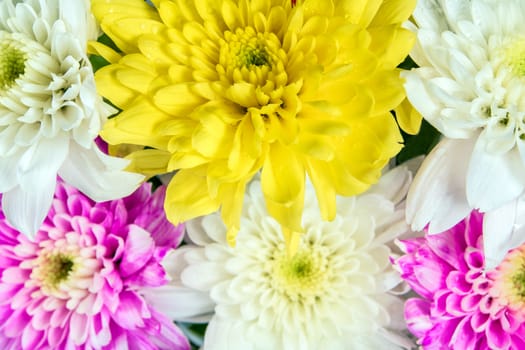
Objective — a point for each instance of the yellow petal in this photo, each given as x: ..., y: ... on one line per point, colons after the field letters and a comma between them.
x: 408, y: 118
x: 231, y: 208
x: 96, y: 48
x: 318, y: 147
x: 137, y: 125
x: 322, y: 179
x: 318, y: 8
x: 358, y: 11
x: 149, y: 162
x: 135, y: 79
x: 182, y: 160
x: 282, y: 181
x: 324, y: 127
x: 393, y: 11
x: 187, y: 197
x: 110, y: 87
x: 212, y: 138
x: 155, y: 51
x: 177, y: 100
x: 124, y: 8
x: 387, y: 91
x: 391, y: 44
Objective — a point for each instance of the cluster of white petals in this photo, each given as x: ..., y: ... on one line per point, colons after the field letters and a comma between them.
x: 470, y: 85
x: 336, y: 292
x: 50, y: 113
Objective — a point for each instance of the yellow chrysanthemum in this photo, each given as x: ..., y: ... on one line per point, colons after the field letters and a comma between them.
x: 219, y: 90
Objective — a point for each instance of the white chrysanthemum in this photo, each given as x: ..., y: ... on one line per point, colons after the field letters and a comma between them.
x: 50, y: 113
x: 470, y: 86
x: 335, y: 293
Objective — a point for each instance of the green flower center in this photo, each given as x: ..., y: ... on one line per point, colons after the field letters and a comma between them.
x: 58, y: 268
x: 301, y: 277
x: 255, y: 58
x: 12, y: 63
x: 515, y: 56
x: 518, y: 282
x: 509, y: 280
x: 246, y: 48
x: 253, y: 54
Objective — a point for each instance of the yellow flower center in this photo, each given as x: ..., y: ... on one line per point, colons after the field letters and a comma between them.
x: 12, y: 62
x: 301, y: 277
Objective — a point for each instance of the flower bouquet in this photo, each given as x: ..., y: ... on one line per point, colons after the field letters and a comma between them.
x: 262, y: 174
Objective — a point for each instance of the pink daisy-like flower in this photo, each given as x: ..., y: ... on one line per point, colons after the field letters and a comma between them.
x: 462, y: 307
x: 78, y: 285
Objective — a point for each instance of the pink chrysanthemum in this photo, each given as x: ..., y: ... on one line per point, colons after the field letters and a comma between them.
x: 462, y: 306
x: 78, y: 285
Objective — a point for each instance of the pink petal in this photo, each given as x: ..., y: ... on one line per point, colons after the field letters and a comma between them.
x: 456, y: 283
x: 15, y: 323
x: 479, y: 321
x: 31, y: 338
x: 464, y: 337
x: 152, y: 275
x: 497, y: 338
x: 78, y: 205
x: 470, y: 302
x: 78, y: 328
x: 15, y: 275
x: 138, y: 250
x: 130, y: 311
x: 417, y: 315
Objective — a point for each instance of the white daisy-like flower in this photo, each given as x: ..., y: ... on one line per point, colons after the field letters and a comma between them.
x: 336, y: 292
x: 50, y: 113
x: 470, y: 86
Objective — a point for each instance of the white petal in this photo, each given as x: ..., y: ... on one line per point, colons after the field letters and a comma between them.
x: 40, y: 163
x: 393, y: 185
x: 98, y: 175
x: 206, y: 230
x: 26, y: 210
x: 223, y: 335
x: 437, y: 195
x: 26, y: 205
x: 493, y: 180
x: 180, y: 303
x: 419, y: 95
x: 500, y: 233
x: 8, y: 178
x: 429, y: 14
x: 203, y: 276
x: 75, y: 14
x: 483, y: 16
